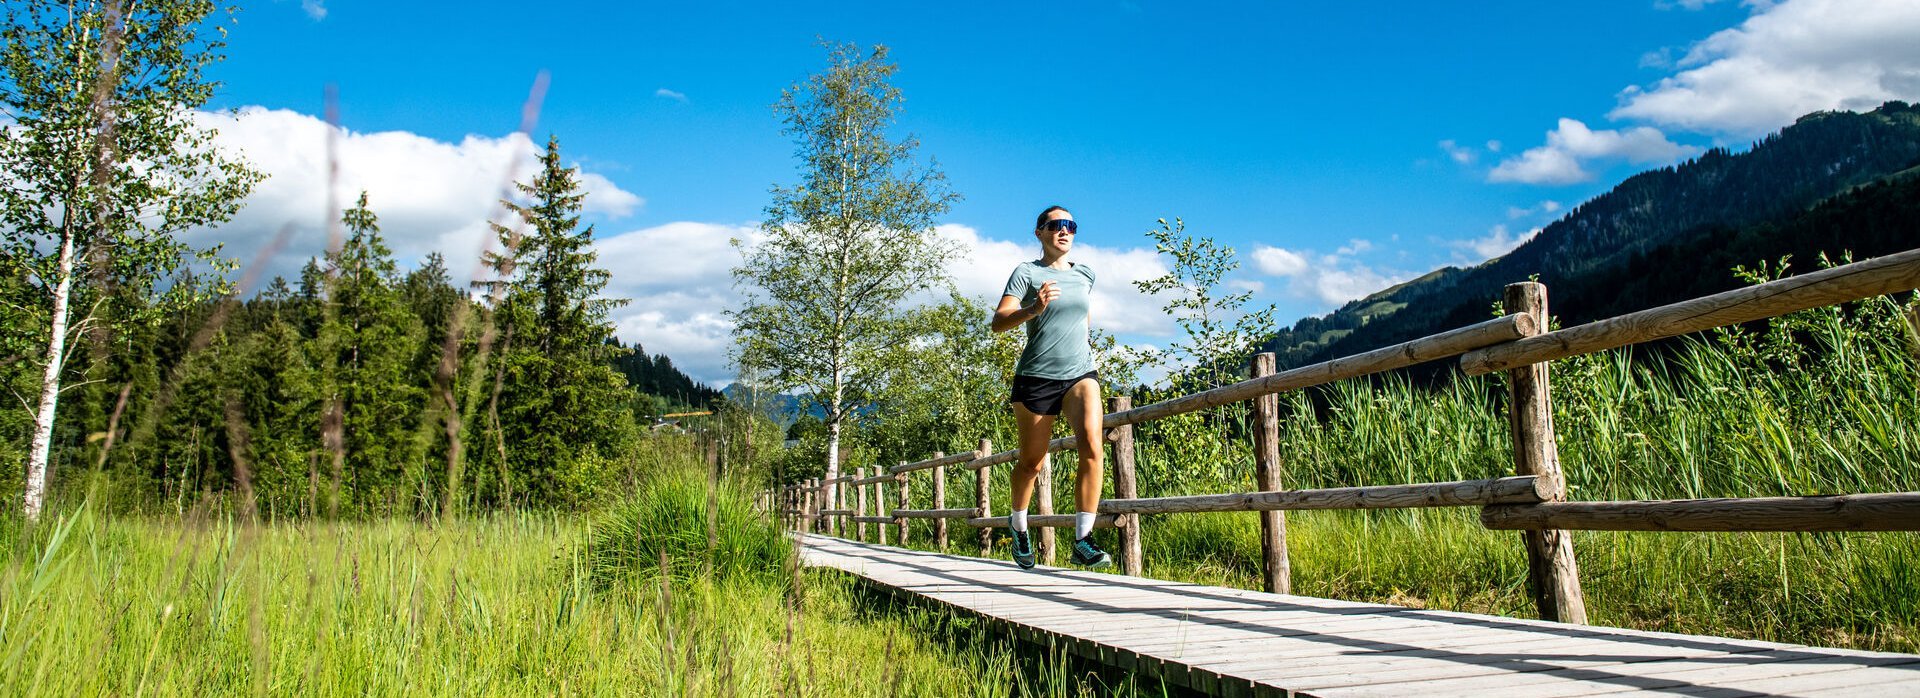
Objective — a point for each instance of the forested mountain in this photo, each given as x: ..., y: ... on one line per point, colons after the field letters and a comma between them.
x: 1833, y: 182
x: 659, y: 383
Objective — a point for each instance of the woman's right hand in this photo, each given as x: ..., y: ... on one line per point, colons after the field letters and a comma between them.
x: 1048, y: 291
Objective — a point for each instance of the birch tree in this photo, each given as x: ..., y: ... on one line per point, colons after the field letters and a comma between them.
x: 101, y: 167
x: 842, y: 249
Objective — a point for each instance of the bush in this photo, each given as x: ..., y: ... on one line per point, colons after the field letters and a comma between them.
x: 668, y: 512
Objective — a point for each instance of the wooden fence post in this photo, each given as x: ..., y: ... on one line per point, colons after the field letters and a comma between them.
x: 860, y: 505
x: 983, y: 496
x: 809, y: 514
x: 1266, y: 473
x: 940, y: 502
x: 900, y: 483
x: 1043, y: 505
x: 1553, y: 575
x: 879, y: 505
x: 1126, y: 485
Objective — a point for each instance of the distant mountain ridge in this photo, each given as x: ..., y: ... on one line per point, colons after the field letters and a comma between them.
x: 1832, y: 181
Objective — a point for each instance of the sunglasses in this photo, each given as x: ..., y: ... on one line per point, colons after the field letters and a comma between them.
x: 1059, y: 224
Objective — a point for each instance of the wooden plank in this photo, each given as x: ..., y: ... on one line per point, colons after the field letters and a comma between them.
x: 1895, y: 511
x: 1432, y: 494
x: 1224, y: 640
x: 1864, y: 279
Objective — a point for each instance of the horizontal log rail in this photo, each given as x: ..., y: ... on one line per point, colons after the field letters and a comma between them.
x: 871, y: 480
x: 836, y: 512
x: 871, y: 519
x: 1897, y: 511
x: 931, y: 463
x: 1848, y: 282
x: 1101, y: 520
x: 932, y: 513
x: 1517, y: 489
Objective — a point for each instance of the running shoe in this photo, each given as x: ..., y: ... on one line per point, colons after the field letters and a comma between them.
x: 1086, y: 554
x: 1022, y: 550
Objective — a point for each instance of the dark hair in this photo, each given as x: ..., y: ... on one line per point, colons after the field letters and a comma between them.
x: 1041, y: 222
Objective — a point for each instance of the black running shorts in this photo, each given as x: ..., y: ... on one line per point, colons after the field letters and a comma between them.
x: 1044, y: 395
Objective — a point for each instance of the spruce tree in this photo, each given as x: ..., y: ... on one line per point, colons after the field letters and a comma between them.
x: 562, y: 406
x: 369, y: 344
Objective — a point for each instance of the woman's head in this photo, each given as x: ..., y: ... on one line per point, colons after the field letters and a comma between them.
x: 1055, y: 229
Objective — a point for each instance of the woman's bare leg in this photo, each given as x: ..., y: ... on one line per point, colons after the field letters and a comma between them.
x: 1035, y: 431
x: 1084, y: 412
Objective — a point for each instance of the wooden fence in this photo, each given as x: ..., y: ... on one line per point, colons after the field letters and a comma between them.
x: 1532, y: 501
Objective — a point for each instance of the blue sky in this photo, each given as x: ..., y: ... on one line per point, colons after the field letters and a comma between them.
x: 1339, y: 147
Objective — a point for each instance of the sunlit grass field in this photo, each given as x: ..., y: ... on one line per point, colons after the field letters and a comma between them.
x: 514, y: 605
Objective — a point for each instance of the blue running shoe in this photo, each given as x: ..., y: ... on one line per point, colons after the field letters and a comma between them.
x: 1022, y: 550
x: 1088, y: 555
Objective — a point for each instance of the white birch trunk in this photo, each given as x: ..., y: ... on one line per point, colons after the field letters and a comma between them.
x: 42, y: 449
x: 833, y: 442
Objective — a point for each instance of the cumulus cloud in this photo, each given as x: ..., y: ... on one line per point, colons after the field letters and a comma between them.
x: 1786, y: 60
x: 1116, y: 306
x: 1330, y: 279
x: 679, y: 277
x: 670, y: 94
x: 1498, y: 241
x: 1275, y: 261
x: 1570, y: 146
x: 430, y: 195
x: 315, y: 9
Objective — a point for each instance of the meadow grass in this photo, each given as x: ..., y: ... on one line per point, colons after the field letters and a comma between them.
x: 508, y: 605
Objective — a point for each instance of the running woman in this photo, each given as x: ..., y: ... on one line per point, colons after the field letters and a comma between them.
x: 1055, y: 374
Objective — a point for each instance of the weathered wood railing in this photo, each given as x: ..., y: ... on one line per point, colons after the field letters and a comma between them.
x: 1532, y: 501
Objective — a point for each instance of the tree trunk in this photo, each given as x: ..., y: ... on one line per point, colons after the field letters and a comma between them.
x: 42, y: 449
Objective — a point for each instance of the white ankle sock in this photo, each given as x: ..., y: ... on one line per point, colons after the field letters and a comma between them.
x: 1082, y: 524
x: 1019, y: 520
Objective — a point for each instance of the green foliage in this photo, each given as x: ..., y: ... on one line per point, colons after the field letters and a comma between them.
x: 1220, y: 334
x: 669, y: 514
x: 843, y: 248
x: 560, y: 406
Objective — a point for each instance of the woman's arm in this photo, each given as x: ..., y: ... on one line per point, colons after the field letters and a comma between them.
x: 1010, y: 315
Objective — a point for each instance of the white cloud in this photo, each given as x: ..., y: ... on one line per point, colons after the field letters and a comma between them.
x: 316, y: 9
x: 1117, y: 305
x: 679, y: 279
x: 1498, y: 241
x: 430, y: 195
x: 1330, y: 279
x: 1459, y: 153
x: 1493, y: 146
x: 1561, y: 160
x: 1275, y: 261
x: 1786, y: 60
x: 680, y: 97
x: 1548, y: 206
x: 1684, y: 4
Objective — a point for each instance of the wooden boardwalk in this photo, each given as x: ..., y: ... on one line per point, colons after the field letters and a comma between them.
x: 1236, y: 642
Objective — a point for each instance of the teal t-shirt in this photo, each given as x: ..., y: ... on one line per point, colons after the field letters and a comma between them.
x: 1057, y: 343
